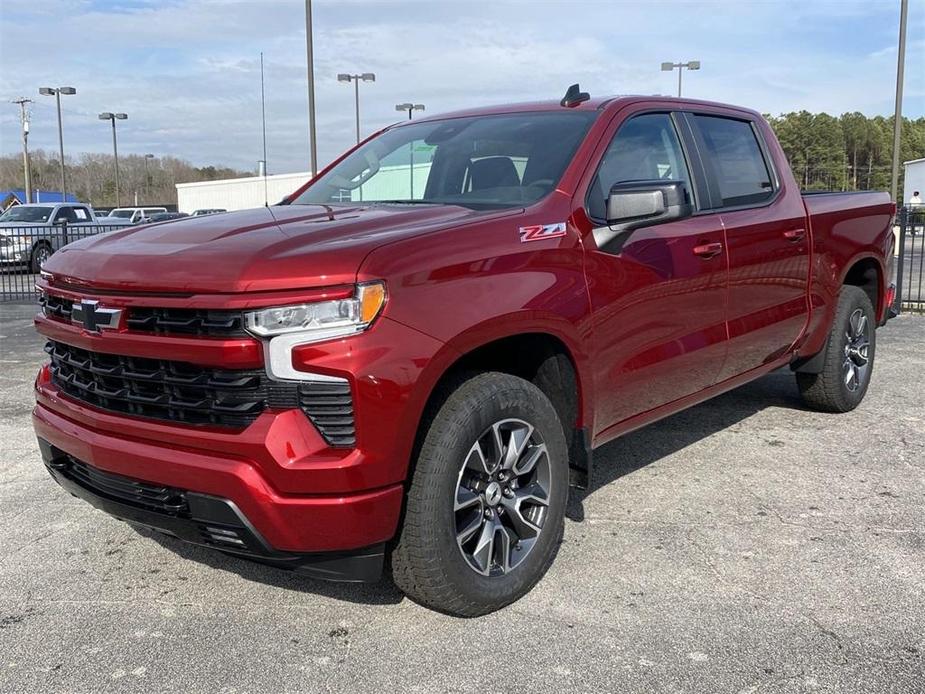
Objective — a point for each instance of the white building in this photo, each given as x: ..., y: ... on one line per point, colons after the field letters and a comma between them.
x: 914, y: 179
x: 392, y: 182
x: 238, y: 193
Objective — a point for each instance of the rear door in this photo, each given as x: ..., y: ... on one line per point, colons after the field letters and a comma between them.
x: 767, y: 242
x: 658, y: 300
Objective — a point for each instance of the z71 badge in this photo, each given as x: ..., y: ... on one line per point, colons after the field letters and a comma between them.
x: 541, y: 232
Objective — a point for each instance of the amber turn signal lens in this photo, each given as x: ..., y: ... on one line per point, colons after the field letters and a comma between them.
x: 372, y: 299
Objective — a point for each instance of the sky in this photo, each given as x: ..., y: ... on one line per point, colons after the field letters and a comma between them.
x: 187, y: 72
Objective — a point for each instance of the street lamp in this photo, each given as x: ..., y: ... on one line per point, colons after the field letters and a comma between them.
x: 147, y: 180
x: 690, y: 65
x: 113, y: 117
x: 365, y: 77
x: 57, y: 92
x: 409, y: 108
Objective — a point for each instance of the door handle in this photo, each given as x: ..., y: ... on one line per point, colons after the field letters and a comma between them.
x: 795, y: 235
x: 708, y: 250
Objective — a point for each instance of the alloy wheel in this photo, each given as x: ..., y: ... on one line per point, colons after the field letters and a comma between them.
x: 856, y: 365
x: 502, y: 497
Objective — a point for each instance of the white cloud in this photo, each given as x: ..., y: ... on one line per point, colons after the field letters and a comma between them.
x: 187, y: 72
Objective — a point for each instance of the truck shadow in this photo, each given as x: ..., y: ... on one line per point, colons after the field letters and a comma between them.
x: 383, y: 592
x: 655, y: 441
x: 611, y: 462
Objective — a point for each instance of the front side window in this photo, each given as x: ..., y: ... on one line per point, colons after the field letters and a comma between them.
x: 645, y: 148
x: 65, y: 214
x: 739, y: 165
x: 480, y: 162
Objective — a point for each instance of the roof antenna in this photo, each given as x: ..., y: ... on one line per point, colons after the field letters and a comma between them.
x: 574, y: 96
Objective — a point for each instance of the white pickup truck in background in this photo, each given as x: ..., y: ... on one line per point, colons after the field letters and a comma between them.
x: 30, y: 233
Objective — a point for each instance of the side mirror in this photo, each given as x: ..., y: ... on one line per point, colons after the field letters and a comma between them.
x: 636, y: 204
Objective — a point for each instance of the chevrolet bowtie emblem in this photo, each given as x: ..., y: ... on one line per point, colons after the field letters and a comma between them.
x: 88, y: 314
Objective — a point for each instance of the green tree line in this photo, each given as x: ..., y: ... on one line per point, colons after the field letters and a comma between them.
x: 91, y: 177
x: 848, y: 152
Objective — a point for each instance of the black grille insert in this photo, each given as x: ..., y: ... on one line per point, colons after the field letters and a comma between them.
x: 56, y: 306
x: 151, y: 497
x: 167, y: 390
x: 161, y: 321
x: 187, y: 321
x: 330, y: 407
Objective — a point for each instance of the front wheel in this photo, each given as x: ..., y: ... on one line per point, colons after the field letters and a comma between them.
x: 849, y: 356
x: 485, y: 507
x: 40, y: 254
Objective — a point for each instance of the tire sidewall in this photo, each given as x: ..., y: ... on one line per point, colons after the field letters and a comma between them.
x: 516, y: 399
x: 853, y: 299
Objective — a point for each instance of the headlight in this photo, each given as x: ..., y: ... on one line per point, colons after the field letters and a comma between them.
x: 321, y: 320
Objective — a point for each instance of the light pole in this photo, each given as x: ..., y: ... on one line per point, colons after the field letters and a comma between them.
x: 147, y: 180
x: 27, y: 169
x: 898, y: 110
x: 113, y: 117
x: 690, y: 65
x: 409, y: 107
x: 57, y: 92
x: 365, y: 77
x: 313, y: 146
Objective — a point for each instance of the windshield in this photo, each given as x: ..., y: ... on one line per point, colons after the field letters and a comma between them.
x: 479, y: 162
x: 26, y: 214
x: 122, y: 214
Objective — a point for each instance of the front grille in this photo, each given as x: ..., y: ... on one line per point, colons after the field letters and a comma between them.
x: 167, y: 390
x: 56, y: 306
x: 330, y: 407
x: 162, y: 321
x: 151, y: 497
x: 187, y: 321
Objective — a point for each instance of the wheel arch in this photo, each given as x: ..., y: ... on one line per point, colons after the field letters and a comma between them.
x: 545, y: 352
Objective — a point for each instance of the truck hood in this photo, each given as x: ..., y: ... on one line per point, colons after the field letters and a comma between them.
x: 285, y: 247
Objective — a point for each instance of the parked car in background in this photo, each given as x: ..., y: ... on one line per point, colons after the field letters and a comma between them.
x: 421, y: 372
x: 208, y: 210
x: 133, y: 215
x: 30, y: 233
x: 163, y: 217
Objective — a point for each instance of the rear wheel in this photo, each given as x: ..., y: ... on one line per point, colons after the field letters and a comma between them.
x: 849, y: 356
x: 486, y: 503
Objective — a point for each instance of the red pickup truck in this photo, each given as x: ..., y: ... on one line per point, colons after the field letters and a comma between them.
x: 415, y: 355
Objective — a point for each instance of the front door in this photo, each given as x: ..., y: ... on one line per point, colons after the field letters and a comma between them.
x: 658, y: 301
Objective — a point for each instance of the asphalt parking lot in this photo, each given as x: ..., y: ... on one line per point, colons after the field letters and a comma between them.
x: 746, y: 545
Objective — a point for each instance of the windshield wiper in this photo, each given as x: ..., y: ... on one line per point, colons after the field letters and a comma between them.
x: 405, y: 202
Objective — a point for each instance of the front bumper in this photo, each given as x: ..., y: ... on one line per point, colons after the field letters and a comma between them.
x: 200, y: 519
x: 288, y: 522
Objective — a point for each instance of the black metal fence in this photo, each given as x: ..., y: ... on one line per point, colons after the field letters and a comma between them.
x: 23, y: 249
x: 910, y: 261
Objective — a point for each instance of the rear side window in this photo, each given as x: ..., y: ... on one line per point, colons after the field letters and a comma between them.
x: 741, y: 171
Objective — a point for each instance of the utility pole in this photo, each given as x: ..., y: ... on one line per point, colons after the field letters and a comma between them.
x: 27, y: 169
x: 898, y: 110
x: 313, y: 145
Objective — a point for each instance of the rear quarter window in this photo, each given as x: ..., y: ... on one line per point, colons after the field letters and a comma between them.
x: 738, y: 163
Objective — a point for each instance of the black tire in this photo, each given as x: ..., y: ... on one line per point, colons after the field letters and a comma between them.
x: 831, y: 390
x: 40, y: 254
x: 427, y: 563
